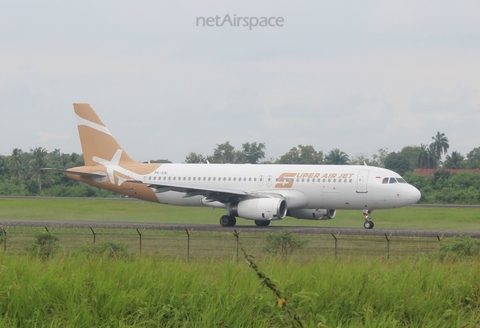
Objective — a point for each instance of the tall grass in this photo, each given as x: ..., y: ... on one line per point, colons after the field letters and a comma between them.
x: 79, y: 290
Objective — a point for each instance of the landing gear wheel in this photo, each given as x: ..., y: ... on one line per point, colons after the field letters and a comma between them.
x: 261, y: 223
x: 228, y: 221
x: 368, y: 224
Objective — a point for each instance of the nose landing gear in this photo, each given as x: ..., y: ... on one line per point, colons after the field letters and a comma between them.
x: 368, y: 224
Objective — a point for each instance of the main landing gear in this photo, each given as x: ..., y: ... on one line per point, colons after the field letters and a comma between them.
x: 228, y: 221
x: 368, y: 224
x: 262, y: 223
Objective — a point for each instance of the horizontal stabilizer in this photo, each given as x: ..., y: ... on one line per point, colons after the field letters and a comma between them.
x: 82, y: 174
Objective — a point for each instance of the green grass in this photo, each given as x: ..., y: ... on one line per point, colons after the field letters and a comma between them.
x: 160, y: 288
x: 132, y: 211
x: 80, y: 290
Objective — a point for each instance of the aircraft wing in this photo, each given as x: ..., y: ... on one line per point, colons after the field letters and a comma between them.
x: 222, y: 195
x: 82, y: 174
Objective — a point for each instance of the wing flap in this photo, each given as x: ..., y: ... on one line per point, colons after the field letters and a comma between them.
x: 211, y: 194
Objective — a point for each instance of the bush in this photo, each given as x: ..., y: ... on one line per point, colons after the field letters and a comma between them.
x: 110, y: 249
x: 460, y: 247
x: 284, y: 243
x: 45, y: 245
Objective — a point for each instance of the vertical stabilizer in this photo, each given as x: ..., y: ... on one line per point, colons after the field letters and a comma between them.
x: 98, y: 144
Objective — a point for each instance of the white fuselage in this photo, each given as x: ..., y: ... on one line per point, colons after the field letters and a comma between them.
x: 303, y: 186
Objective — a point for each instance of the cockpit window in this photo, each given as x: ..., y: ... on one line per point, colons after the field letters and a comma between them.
x: 401, y: 180
x: 393, y: 180
x: 385, y: 180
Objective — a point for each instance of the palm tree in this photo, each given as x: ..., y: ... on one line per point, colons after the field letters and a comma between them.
x: 37, y: 163
x: 440, y: 144
x: 455, y: 161
x: 15, y: 162
x: 336, y: 156
x: 426, y: 158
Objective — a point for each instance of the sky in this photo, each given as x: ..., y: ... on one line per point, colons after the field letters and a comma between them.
x: 354, y: 75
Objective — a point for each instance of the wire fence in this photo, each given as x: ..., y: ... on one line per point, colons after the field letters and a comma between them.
x: 190, y: 244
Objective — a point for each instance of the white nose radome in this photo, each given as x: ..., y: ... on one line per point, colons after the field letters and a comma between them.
x: 414, y: 195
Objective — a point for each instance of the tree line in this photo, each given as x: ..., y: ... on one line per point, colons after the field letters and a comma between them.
x: 21, y: 174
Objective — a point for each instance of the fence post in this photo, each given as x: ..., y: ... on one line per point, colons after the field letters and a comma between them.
x: 94, y: 235
x: 237, y: 241
x: 388, y: 246
x: 188, y: 244
x: 336, y: 243
x: 4, y: 233
x: 140, y: 237
x: 440, y: 238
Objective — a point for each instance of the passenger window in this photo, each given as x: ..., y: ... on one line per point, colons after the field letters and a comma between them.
x: 393, y: 180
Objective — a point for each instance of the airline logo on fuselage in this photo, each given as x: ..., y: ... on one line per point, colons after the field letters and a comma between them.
x: 285, y: 180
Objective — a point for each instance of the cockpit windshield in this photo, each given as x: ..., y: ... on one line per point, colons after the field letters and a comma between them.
x: 393, y: 180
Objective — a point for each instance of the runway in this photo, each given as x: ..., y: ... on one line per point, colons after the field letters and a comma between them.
x: 241, y: 228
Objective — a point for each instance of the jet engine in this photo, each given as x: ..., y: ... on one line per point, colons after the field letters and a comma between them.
x: 313, y: 214
x: 260, y: 209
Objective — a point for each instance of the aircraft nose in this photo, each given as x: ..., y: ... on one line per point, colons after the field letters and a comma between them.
x: 414, y: 195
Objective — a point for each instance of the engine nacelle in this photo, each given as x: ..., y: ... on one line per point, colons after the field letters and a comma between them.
x: 260, y: 209
x: 313, y: 214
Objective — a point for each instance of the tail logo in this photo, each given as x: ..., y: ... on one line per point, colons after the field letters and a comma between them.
x: 111, y: 166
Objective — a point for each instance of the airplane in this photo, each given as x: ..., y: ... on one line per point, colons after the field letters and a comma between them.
x: 258, y: 192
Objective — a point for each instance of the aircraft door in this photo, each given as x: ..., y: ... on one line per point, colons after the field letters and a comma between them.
x: 269, y: 181
x: 362, y: 181
x: 260, y: 180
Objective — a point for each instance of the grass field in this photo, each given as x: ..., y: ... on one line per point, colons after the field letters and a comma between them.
x: 81, y: 290
x: 432, y: 218
x: 162, y: 286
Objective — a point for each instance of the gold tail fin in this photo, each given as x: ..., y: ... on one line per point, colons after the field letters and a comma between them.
x: 98, y: 144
